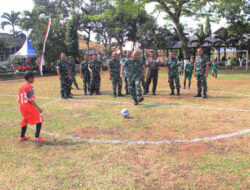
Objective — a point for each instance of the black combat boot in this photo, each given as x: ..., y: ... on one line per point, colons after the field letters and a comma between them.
x: 198, y: 95
x: 63, y: 96
x: 154, y: 94
x: 127, y: 92
x: 140, y: 99
x: 98, y: 92
x: 115, y: 95
x: 204, y: 94
x: 136, y: 102
x: 172, y: 92
x: 120, y: 94
x: 90, y: 92
x: 178, y: 92
x: 85, y: 93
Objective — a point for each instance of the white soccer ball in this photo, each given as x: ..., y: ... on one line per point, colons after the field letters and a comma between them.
x: 125, y: 112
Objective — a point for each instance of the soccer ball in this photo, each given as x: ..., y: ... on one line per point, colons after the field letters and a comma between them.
x: 125, y: 112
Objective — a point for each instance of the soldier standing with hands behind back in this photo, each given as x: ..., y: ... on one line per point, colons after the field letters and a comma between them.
x: 95, y: 67
x: 173, y: 73
x: 85, y: 74
x: 64, y: 74
x: 114, y: 74
x: 201, y: 68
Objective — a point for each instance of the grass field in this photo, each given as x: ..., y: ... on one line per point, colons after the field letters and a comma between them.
x: 67, y: 164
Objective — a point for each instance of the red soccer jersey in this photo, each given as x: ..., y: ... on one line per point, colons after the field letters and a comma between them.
x: 25, y: 95
x: 24, y: 68
x: 19, y: 68
x: 28, y: 110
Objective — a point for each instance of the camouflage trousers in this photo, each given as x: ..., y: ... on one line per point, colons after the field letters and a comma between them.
x: 172, y: 79
x: 126, y: 83
x: 117, y: 83
x: 65, y: 86
x: 73, y: 81
x: 95, y: 82
x: 134, y: 86
x: 86, y: 81
x: 189, y: 77
x: 214, y: 72
x: 201, y: 83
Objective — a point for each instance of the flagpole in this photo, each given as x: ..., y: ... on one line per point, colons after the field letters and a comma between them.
x: 42, y: 62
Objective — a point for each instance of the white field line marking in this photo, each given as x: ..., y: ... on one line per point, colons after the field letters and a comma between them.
x: 7, y: 81
x: 146, y: 104
x: 52, y: 102
x: 141, y: 142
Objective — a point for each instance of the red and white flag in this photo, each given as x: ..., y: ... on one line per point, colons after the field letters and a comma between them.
x: 42, y: 62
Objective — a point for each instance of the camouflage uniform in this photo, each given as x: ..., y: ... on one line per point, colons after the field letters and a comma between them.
x: 85, y: 75
x: 215, y: 69
x: 95, y: 78
x: 125, y: 75
x: 181, y: 68
x: 188, y: 74
x: 63, y: 67
x: 201, y: 63
x: 114, y: 67
x: 133, y: 74
x: 173, y: 73
x: 73, y: 69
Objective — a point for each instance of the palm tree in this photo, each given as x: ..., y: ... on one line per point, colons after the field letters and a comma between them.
x: 224, y: 39
x: 31, y: 19
x: 12, y: 20
x: 201, y: 37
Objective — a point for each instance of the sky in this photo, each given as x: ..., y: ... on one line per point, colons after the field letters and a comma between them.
x: 21, y: 5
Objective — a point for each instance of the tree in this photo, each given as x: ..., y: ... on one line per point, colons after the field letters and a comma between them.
x: 175, y: 10
x: 208, y: 31
x: 72, y: 37
x: 30, y: 19
x: 12, y: 20
x: 4, y: 43
x: 224, y: 39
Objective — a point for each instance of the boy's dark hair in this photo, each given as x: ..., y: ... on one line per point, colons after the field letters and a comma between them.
x: 28, y: 74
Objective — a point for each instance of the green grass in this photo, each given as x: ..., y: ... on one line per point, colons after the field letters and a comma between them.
x: 65, y: 164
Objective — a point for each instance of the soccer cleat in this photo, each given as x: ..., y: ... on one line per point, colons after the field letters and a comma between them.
x: 23, y: 138
x: 39, y: 139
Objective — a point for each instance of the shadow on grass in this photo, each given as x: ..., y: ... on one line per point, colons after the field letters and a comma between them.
x: 58, y: 143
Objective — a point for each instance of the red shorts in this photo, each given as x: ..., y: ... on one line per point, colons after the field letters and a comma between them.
x: 30, y: 116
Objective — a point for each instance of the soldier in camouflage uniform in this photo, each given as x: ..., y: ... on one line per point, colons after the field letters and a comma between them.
x: 215, y: 68
x: 95, y: 68
x: 85, y: 74
x: 188, y: 72
x: 72, y: 64
x: 64, y: 74
x: 201, y: 68
x: 114, y: 74
x: 173, y: 73
x: 133, y: 73
x: 128, y: 56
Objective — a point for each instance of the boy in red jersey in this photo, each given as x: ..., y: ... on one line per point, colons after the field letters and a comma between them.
x: 31, y: 112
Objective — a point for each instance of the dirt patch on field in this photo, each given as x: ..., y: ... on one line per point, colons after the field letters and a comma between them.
x: 87, y: 132
x: 194, y: 149
x: 167, y: 133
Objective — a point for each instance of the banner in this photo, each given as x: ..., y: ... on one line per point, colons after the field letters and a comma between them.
x: 42, y: 62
